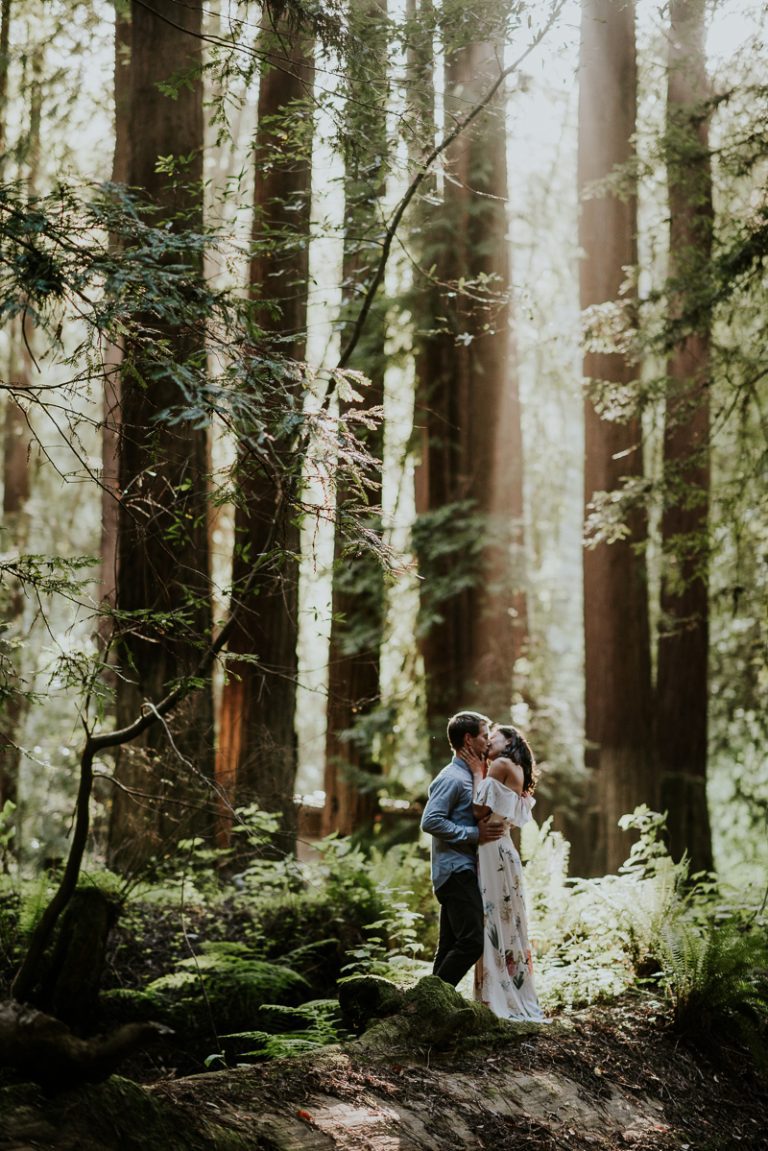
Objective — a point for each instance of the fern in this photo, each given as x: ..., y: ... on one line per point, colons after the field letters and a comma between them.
x: 716, y: 978
x: 297, y: 1030
x: 222, y: 986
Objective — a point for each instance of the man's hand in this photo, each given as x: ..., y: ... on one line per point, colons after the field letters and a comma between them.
x: 489, y: 831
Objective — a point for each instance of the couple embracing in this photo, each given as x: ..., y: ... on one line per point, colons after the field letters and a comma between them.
x: 477, y: 875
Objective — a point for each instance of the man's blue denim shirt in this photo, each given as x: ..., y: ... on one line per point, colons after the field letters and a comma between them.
x: 449, y: 820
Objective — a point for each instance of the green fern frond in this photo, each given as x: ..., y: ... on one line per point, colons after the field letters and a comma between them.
x: 715, y: 977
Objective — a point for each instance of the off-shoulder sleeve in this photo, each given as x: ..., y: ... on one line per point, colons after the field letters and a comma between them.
x: 505, y: 802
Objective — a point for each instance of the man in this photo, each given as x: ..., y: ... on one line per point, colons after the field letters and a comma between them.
x: 455, y: 835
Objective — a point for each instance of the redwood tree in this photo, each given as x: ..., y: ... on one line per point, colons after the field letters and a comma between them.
x: 469, y: 532
x: 16, y: 431
x: 682, y: 683
x: 163, y: 584
x: 111, y: 422
x: 358, y: 584
x: 257, y: 750
x: 616, y: 629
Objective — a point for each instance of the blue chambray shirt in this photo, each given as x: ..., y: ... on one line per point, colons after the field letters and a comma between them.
x: 449, y: 820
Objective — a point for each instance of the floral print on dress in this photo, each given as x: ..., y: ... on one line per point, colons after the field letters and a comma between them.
x: 504, y: 975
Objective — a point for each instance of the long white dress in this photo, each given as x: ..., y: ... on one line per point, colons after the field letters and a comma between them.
x: 504, y: 975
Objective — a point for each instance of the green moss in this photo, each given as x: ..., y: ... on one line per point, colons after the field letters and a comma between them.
x: 224, y: 990
x: 364, y: 998
x: 115, y: 1114
x: 433, y: 1016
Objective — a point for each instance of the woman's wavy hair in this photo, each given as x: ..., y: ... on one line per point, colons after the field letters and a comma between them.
x: 519, y: 752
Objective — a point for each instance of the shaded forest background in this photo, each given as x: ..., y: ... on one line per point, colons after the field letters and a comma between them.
x: 363, y: 362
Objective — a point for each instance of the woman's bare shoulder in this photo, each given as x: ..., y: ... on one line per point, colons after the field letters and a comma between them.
x: 507, y: 772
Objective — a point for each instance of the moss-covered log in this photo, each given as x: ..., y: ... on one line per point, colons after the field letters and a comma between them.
x: 43, y: 1050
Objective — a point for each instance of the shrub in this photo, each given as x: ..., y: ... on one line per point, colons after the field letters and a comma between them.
x: 716, y: 978
x: 319, y: 925
x: 594, y: 937
x: 221, y: 988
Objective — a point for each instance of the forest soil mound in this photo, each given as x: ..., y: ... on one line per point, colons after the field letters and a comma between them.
x: 609, y: 1077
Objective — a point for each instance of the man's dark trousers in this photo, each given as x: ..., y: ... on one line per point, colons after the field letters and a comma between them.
x: 461, y: 926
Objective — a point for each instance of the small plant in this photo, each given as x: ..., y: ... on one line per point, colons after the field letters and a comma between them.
x: 716, y: 978
x: 296, y: 1030
x: 221, y: 986
x: 593, y: 937
x: 7, y: 834
x: 392, y: 947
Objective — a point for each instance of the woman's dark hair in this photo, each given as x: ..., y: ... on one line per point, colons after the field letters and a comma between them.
x: 519, y: 752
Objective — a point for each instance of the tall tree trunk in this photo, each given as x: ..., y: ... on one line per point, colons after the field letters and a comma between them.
x: 470, y: 541
x: 681, y: 703
x: 163, y: 789
x: 257, y: 750
x: 16, y: 446
x: 110, y: 492
x: 17, y: 437
x: 358, y: 583
x: 616, y: 629
x: 5, y: 62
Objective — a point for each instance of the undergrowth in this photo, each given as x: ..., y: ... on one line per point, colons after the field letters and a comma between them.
x: 246, y: 965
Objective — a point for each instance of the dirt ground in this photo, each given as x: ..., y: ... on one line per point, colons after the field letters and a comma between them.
x: 607, y: 1078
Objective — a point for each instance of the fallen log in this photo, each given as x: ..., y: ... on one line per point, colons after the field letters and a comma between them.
x: 44, y: 1050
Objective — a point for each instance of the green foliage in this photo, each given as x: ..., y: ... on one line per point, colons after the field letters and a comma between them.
x: 716, y: 978
x: 594, y: 937
x: 392, y: 946
x: 328, y: 904
x: 648, y: 924
x: 220, y: 987
x: 7, y: 832
x: 293, y: 1031
x: 10, y: 901
x: 448, y: 541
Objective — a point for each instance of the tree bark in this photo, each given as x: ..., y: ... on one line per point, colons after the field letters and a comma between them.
x: 110, y: 466
x: 474, y: 617
x: 683, y: 642
x: 5, y: 61
x: 358, y: 582
x: 17, y: 439
x: 257, y: 752
x: 616, y: 629
x: 164, y: 782
x: 71, y: 980
x: 16, y: 489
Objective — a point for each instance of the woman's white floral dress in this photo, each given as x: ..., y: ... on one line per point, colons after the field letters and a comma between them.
x: 504, y: 975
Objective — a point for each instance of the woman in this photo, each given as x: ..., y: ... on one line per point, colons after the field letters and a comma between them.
x: 503, y: 793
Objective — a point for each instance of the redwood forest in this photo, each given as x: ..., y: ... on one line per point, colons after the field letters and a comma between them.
x: 363, y: 363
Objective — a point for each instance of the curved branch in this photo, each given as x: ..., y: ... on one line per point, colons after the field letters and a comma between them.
x: 24, y: 981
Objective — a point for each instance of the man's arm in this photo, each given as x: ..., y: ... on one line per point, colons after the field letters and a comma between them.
x: 437, y: 820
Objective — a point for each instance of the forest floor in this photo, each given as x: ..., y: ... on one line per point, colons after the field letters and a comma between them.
x: 608, y: 1077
